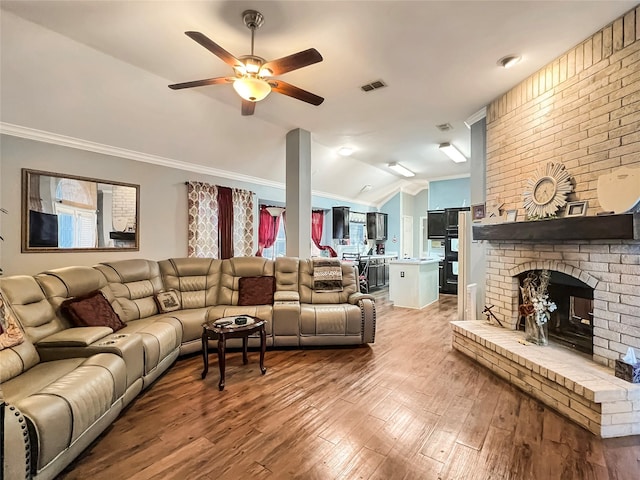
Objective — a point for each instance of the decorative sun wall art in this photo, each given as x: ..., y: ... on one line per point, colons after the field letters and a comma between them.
x: 546, y: 192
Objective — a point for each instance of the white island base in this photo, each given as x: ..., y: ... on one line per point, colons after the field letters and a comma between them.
x: 413, y: 283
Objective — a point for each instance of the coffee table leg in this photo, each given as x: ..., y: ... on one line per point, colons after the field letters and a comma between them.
x: 263, y: 348
x: 205, y: 354
x: 221, y: 354
x: 245, y: 340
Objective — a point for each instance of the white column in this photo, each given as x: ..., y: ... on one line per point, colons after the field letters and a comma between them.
x: 298, y: 194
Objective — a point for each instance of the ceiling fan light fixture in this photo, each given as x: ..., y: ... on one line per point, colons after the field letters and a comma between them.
x: 452, y: 152
x: 251, y: 88
x: 405, y: 172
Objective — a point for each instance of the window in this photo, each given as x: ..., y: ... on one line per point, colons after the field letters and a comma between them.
x: 279, y: 248
x: 76, y: 227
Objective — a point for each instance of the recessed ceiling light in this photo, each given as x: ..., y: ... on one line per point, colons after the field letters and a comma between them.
x: 509, y: 61
x: 345, y: 151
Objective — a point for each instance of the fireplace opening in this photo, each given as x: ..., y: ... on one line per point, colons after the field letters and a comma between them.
x: 572, y: 323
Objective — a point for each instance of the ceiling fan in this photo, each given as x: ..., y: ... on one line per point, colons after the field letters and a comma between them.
x: 252, y: 80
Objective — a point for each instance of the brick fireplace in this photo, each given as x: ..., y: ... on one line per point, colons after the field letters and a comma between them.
x: 611, y: 269
x: 581, y: 110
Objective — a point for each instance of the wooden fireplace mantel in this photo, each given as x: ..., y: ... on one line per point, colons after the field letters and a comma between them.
x: 624, y: 226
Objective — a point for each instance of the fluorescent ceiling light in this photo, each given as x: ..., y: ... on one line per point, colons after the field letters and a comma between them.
x: 452, y: 152
x: 345, y: 151
x: 396, y: 167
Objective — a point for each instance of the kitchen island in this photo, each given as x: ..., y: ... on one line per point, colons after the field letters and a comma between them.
x: 413, y: 282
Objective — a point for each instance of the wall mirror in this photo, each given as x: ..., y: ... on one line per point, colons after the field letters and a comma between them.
x: 63, y: 213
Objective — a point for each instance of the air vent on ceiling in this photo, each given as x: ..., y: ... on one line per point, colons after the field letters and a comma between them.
x: 373, y: 86
x: 444, y: 127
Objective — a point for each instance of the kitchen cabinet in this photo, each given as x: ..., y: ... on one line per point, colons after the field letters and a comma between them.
x: 436, y: 224
x: 378, y: 270
x: 376, y: 226
x: 340, y: 223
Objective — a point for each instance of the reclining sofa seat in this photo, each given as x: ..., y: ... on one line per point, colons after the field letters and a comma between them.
x: 55, y: 409
x: 65, y: 283
x: 38, y: 314
x: 233, y: 269
x: 345, y: 317
x: 196, y: 282
x: 134, y: 284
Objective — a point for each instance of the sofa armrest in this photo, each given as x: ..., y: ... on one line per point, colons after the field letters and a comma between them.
x: 286, y: 296
x: 15, y: 443
x: 75, y: 337
x: 354, y: 298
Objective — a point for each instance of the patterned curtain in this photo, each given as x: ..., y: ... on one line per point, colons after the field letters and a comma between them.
x: 203, y: 219
x: 242, y: 222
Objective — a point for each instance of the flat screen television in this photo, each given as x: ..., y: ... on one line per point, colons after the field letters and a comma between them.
x: 43, y: 229
x: 436, y: 225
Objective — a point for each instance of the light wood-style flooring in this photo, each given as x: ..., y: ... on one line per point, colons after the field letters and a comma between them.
x: 406, y: 407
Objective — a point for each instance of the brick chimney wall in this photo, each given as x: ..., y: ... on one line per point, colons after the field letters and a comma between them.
x: 582, y: 110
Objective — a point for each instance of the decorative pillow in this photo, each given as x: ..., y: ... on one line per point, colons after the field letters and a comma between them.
x: 10, y: 333
x: 91, y: 310
x: 256, y: 290
x: 327, y: 275
x: 168, y: 301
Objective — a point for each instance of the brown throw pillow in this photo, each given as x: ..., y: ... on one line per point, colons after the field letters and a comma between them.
x: 168, y: 301
x: 91, y: 310
x: 256, y: 290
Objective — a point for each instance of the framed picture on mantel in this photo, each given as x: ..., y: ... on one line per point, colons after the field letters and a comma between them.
x: 477, y: 212
x: 576, y: 209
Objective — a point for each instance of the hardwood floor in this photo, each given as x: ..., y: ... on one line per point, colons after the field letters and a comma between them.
x: 406, y: 407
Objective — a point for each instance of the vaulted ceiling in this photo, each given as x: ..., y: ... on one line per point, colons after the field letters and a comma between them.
x: 99, y: 70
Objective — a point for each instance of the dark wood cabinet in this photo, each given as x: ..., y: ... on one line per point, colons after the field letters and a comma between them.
x: 340, y: 223
x: 436, y: 228
x: 378, y: 273
x: 376, y: 226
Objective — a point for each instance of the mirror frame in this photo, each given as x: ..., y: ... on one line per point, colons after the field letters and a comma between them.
x: 25, y: 214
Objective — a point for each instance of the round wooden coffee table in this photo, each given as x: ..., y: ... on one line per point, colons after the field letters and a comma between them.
x: 223, y: 328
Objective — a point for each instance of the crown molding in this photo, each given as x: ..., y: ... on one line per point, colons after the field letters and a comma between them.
x: 476, y: 117
x: 80, y: 144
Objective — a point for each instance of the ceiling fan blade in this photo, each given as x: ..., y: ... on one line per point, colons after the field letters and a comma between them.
x: 295, y: 92
x: 293, y: 62
x: 214, y: 48
x: 202, y: 83
x: 248, y: 107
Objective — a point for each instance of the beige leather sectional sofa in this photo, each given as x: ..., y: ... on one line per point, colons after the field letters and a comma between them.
x: 64, y: 385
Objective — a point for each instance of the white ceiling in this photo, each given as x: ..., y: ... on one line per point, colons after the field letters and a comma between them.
x: 100, y: 69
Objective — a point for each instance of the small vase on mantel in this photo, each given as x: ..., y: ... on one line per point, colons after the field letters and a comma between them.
x: 535, y: 333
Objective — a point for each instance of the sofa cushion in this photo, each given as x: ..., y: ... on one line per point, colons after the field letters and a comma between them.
x: 168, y: 301
x: 10, y: 333
x: 256, y: 290
x: 91, y: 310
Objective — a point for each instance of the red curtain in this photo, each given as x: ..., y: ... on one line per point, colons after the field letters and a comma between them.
x: 317, y: 222
x: 267, y: 230
x: 225, y: 222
